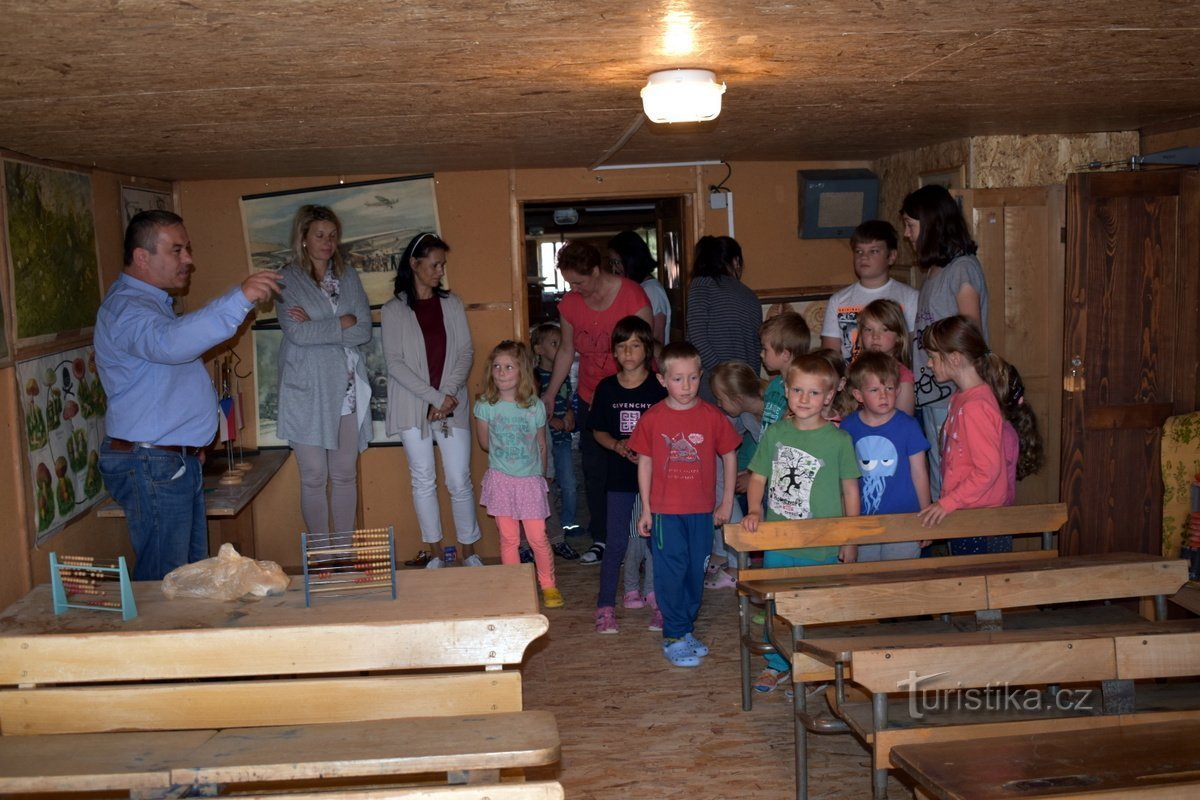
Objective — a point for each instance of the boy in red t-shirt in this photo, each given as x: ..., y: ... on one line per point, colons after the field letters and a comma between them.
x: 678, y: 441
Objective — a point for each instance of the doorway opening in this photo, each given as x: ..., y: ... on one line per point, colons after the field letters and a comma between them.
x: 550, y: 224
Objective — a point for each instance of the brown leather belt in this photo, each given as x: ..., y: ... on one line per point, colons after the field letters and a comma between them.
x: 126, y: 446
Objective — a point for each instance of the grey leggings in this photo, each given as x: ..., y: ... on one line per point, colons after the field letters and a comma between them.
x: 329, y: 480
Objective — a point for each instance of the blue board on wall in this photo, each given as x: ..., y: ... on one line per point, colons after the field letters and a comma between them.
x: 833, y: 202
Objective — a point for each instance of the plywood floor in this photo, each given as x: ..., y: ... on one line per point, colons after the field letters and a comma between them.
x: 633, y: 726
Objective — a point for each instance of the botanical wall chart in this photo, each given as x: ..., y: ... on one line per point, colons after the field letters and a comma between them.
x: 63, y: 404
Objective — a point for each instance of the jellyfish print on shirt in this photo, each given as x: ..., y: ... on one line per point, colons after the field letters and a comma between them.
x: 793, y: 472
x: 877, y: 460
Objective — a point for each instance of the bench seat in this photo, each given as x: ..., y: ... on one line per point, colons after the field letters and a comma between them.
x: 458, y: 746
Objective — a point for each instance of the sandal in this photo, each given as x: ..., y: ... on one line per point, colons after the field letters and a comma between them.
x: 768, y: 679
x: 423, y: 558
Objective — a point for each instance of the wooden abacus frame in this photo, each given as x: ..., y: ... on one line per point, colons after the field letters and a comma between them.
x: 349, y: 562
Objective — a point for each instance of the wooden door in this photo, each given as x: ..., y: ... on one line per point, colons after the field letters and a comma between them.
x: 1131, y: 321
x: 1019, y: 233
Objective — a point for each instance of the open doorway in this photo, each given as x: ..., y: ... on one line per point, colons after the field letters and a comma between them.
x: 548, y: 225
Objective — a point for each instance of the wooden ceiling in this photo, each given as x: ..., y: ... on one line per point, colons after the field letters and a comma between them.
x: 193, y: 89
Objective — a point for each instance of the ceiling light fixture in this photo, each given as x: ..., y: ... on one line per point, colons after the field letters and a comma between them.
x: 682, y: 95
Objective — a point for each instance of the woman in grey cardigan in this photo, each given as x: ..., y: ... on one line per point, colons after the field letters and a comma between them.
x: 428, y: 349
x: 324, y: 395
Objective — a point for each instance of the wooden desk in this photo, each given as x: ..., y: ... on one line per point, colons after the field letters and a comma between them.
x: 89, y: 702
x: 1129, y: 761
x: 224, y: 504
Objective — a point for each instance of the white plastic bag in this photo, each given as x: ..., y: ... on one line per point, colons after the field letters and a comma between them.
x: 228, y: 576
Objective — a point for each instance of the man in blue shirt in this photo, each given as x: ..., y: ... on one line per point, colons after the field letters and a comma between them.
x: 162, y: 407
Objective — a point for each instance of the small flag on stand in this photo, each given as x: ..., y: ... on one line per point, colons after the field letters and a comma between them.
x: 229, y: 424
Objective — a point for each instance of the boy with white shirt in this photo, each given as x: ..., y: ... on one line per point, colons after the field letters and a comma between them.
x: 874, y: 244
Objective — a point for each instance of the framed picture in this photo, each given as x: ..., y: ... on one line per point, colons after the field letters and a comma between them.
x: 378, y: 220
x: 267, y: 339
x: 807, y: 301
x: 62, y: 405
x: 135, y: 199
x: 950, y: 177
x: 53, y: 271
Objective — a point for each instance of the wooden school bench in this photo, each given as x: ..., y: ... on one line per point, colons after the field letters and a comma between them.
x: 192, y: 695
x: 764, y: 586
x: 967, y: 685
x: 1134, y: 761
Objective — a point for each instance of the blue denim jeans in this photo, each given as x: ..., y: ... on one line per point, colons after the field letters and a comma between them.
x: 162, y: 494
x: 564, y: 481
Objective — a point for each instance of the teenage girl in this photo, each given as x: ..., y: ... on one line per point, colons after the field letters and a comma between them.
x: 739, y: 394
x: 941, y: 240
x: 882, y: 327
x: 510, y: 425
x: 618, y: 404
x: 979, y: 445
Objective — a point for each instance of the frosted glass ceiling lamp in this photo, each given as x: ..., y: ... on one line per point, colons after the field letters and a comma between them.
x: 682, y: 95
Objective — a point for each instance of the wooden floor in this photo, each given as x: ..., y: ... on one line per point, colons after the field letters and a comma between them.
x: 633, y: 726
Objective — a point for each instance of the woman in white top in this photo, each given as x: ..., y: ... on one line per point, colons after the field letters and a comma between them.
x: 629, y: 255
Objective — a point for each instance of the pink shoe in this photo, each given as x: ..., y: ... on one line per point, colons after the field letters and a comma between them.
x: 606, y: 620
x: 721, y: 580
x: 656, y: 621
x: 651, y: 601
x: 633, y: 599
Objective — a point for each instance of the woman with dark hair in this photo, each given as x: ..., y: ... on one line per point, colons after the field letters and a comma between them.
x: 935, y: 227
x: 428, y: 349
x: 597, y: 301
x: 630, y: 253
x: 324, y: 394
x: 723, y: 314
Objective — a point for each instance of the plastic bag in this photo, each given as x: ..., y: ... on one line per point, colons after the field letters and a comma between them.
x: 228, y: 576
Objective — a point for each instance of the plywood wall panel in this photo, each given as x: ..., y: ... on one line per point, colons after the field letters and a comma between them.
x: 1043, y: 159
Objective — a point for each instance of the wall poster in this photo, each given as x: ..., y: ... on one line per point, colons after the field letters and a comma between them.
x: 135, y: 199
x: 62, y: 405
x: 378, y: 220
x: 267, y: 339
x: 53, y: 262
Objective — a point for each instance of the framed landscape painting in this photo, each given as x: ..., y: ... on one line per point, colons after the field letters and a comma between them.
x: 378, y: 220
x: 53, y: 262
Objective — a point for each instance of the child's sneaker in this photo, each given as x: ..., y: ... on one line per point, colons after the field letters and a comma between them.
x: 606, y: 620
x: 433, y: 563
x: 679, y: 653
x: 526, y: 555
x: 633, y: 599
x: 564, y: 550
x: 698, y: 647
x: 552, y: 598
x: 655, y: 621
x: 472, y: 561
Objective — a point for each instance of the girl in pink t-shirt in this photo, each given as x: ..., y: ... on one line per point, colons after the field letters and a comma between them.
x: 979, y: 445
x: 882, y: 327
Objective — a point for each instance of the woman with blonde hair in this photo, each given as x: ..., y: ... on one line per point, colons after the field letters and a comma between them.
x: 324, y: 394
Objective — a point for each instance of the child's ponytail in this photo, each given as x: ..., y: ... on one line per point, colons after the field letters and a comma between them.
x: 1031, y: 455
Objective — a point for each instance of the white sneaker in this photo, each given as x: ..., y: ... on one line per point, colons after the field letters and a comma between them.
x: 472, y: 561
x: 434, y: 563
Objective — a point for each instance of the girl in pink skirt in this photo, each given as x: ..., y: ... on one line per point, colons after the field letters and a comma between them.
x: 510, y: 425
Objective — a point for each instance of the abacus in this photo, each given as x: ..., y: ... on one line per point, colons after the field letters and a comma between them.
x: 348, y: 562
x: 99, y: 584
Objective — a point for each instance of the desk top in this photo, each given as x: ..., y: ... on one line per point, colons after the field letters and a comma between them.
x: 226, y: 501
x: 1129, y: 761
x: 458, y: 616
